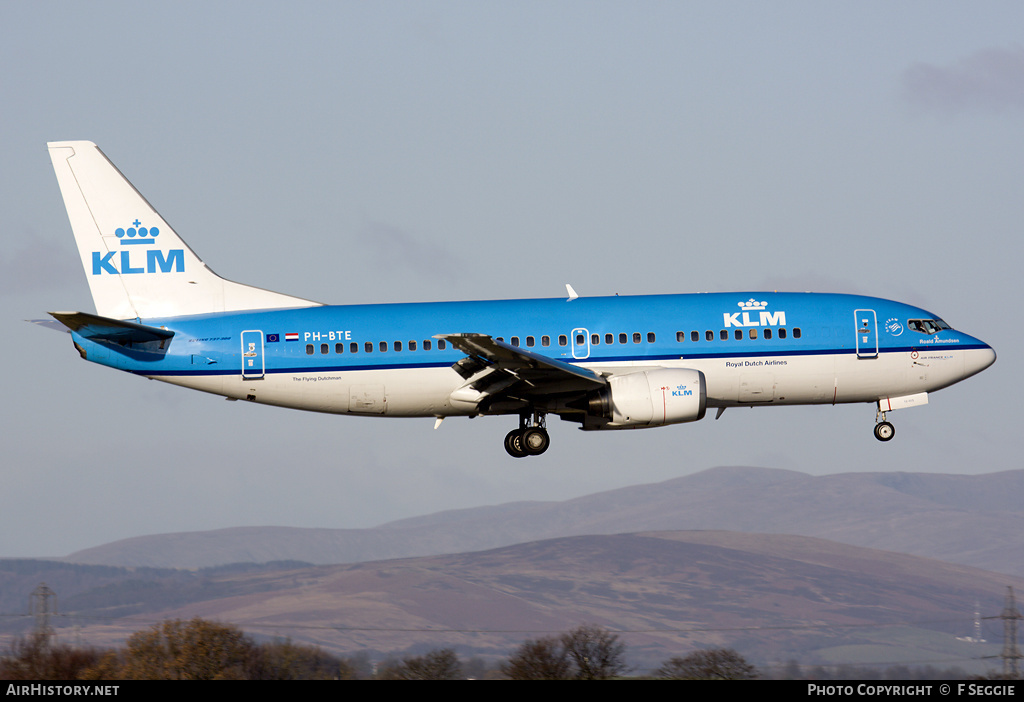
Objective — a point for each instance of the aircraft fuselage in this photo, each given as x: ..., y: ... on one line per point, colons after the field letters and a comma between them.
x: 801, y: 348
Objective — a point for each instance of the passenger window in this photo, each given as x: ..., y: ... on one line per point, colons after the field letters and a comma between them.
x: 339, y: 348
x: 609, y: 338
x: 796, y: 332
x: 636, y: 337
x: 324, y: 348
x: 515, y: 341
x: 412, y: 345
x: 398, y: 346
x: 680, y: 336
x: 767, y: 333
x: 753, y: 333
x: 694, y: 336
x: 426, y: 344
x: 563, y: 340
x: 309, y: 349
x: 368, y: 346
x: 650, y: 337
x: 530, y: 341
x: 724, y: 335
x: 782, y: 332
x: 441, y: 345
x: 545, y: 341
x: 353, y: 347
x: 738, y: 334
x: 595, y: 339
x: 623, y: 338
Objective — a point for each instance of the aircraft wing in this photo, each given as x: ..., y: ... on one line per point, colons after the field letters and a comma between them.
x: 496, y: 368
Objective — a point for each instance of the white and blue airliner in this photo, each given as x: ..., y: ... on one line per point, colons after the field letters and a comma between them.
x: 625, y: 362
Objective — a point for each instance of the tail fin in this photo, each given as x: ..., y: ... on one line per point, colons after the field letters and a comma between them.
x: 137, y: 266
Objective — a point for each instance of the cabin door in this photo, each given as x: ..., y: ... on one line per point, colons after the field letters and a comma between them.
x: 252, y: 354
x: 867, y: 333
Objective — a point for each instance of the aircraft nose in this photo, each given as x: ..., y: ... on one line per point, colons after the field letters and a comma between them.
x: 978, y: 360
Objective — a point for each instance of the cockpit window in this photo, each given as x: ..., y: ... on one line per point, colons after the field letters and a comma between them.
x: 927, y: 326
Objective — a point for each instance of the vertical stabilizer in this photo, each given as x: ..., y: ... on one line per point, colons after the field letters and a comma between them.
x: 137, y: 266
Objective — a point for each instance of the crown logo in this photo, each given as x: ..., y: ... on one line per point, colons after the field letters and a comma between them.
x: 751, y: 304
x: 136, y: 234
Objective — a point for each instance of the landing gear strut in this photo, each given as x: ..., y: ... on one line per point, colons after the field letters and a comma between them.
x: 530, y: 439
x: 884, y: 431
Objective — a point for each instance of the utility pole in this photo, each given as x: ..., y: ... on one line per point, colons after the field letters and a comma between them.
x: 40, y: 608
x: 1011, y: 654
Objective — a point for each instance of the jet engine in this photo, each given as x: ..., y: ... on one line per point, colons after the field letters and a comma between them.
x: 649, y: 398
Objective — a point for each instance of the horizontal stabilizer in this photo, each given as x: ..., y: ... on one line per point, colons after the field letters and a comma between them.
x: 115, y: 331
x: 50, y: 324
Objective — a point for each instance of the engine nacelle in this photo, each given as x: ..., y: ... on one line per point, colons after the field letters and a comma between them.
x: 650, y: 398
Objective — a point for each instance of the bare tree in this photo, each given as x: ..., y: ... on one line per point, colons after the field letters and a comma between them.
x: 192, y: 650
x: 589, y: 652
x: 35, y: 658
x: 440, y: 664
x: 595, y: 653
x: 543, y: 659
x: 711, y: 664
x: 281, y: 659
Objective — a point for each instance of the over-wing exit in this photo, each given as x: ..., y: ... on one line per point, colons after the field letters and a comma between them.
x: 622, y: 362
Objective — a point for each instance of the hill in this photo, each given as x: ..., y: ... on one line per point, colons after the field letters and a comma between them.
x: 772, y: 597
x: 972, y: 520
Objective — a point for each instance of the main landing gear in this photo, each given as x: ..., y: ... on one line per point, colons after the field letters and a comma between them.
x: 884, y: 431
x: 530, y: 439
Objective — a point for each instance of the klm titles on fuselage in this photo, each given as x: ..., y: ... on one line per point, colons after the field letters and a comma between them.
x: 171, y: 261
x: 764, y: 317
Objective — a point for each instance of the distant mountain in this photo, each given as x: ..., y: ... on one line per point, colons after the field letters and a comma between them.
x: 772, y: 597
x: 968, y: 519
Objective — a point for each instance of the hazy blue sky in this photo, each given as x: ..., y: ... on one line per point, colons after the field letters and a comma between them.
x: 357, y: 152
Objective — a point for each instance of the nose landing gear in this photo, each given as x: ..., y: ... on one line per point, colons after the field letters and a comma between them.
x: 884, y: 431
x: 530, y: 439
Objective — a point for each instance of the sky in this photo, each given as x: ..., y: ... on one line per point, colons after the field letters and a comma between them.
x: 362, y: 152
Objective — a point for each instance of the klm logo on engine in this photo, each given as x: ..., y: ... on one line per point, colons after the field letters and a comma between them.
x: 131, y: 260
x: 761, y: 316
x: 681, y: 391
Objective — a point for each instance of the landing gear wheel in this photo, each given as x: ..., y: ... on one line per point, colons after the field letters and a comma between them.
x: 514, y: 444
x: 534, y: 440
x: 884, y: 431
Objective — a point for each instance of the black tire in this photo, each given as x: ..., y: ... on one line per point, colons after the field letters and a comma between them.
x: 884, y: 431
x: 535, y: 440
x: 514, y: 444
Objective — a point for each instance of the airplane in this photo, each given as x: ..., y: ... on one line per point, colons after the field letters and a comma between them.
x: 604, y: 363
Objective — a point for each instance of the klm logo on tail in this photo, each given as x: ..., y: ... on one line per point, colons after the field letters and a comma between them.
x: 155, y: 260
